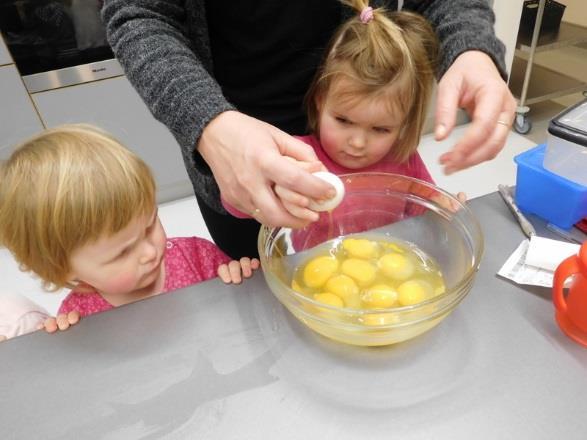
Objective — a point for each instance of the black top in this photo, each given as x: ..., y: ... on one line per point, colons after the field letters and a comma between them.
x: 252, y: 75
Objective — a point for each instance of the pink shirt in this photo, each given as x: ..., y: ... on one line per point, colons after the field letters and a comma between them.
x: 188, y: 260
x: 413, y: 167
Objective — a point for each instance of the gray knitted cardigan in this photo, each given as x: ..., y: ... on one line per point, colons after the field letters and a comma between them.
x: 164, y: 49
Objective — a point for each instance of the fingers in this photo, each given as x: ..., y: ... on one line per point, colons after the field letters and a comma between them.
x: 295, y: 148
x: 50, y: 325
x: 62, y: 322
x: 296, y: 204
x: 246, y: 157
x: 73, y: 317
x: 248, y: 265
x: 245, y: 265
x: 234, y: 268
x: 291, y: 176
x: 473, y: 82
x: 3, y: 338
x: 462, y: 197
x: 485, y: 137
x: 447, y: 102
x: 223, y: 273
x: 234, y: 271
x: 255, y: 264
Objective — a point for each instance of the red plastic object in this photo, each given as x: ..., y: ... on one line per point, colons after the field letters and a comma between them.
x: 571, y: 312
x: 582, y: 225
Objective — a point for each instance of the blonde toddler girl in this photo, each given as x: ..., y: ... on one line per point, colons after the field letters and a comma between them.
x: 78, y: 209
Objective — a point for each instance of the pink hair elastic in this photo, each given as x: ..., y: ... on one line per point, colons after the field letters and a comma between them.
x: 366, y: 15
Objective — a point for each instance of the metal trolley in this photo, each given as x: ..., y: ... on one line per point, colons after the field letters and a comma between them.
x: 540, y: 83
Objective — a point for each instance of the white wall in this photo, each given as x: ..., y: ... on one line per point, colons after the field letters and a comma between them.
x: 576, y: 12
x: 507, y: 23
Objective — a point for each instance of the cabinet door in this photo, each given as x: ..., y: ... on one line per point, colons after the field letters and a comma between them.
x: 114, y: 105
x: 18, y: 118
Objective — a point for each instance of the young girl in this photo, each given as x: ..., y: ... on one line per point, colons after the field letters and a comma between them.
x: 368, y: 101
x: 78, y: 209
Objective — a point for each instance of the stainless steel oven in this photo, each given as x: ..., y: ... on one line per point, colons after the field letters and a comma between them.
x: 57, y: 43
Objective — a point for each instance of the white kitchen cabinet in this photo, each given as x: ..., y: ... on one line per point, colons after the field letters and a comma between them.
x: 18, y: 118
x: 114, y: 105
x: 5, y: 57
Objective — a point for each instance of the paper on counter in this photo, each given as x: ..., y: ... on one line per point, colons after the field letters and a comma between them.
x: 534, y: 261
x: 516, y: 269
x: 548, y: 254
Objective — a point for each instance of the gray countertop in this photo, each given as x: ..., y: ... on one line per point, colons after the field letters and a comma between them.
x: 229, y: 362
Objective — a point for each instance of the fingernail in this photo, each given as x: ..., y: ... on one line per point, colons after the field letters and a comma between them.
x: 331, y: 193
x: 440, y: 131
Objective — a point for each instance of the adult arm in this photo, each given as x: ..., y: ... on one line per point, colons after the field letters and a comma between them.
x: 172, y: 74
x: 472, y: 72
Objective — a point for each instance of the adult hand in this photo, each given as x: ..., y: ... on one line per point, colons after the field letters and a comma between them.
x: 473, y: 82
x: 247, y: 158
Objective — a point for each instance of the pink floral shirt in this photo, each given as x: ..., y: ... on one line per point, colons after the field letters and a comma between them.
x: 188, y: 260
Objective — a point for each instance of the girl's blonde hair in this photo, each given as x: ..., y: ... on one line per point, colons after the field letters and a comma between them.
x: 393, y: 56
x: 64, y: 188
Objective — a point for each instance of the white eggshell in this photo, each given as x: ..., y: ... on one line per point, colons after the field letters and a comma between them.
x: 330, y: 204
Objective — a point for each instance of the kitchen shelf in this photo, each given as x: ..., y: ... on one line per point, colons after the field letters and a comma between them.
x: 568, y: 35
x: 544, y: 83
x: 532, y: 83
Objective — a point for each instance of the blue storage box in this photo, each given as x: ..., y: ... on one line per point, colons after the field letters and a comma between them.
x: 541, y: 192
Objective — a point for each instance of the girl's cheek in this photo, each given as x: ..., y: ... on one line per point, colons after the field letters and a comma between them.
x: 122, y: 283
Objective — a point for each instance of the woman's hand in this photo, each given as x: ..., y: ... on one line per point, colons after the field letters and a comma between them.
x: 473, y: 82
x: 247, y: 158
x: 61, y: 322
x: 235, y: 271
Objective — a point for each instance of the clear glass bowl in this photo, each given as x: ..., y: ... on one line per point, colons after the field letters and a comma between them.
x: 392, y: 207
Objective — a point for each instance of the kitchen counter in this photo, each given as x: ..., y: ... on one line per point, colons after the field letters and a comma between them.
x: 229, y: 362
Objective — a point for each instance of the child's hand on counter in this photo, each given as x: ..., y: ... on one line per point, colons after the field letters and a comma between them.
x: 236, y: 270
x: 61, y: 322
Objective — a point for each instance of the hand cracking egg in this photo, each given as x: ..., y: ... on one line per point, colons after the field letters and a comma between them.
x: 330, y: 204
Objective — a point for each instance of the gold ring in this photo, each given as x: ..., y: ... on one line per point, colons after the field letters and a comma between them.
x: 256, y: 212
x: 499, y: 121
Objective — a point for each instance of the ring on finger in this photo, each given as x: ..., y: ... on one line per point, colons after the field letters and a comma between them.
x: 505, y: 123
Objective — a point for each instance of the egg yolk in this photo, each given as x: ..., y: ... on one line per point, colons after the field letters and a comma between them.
x: 413, y: 292
x: 396, y: 266
x: 318, y: 270
x: 329, y: 298
x: 342, y: 285
x: 361, y: 271
x: 380, y: 296
x: 360, y: 248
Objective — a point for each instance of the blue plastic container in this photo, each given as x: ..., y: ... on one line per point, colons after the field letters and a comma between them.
x: 541, y: 192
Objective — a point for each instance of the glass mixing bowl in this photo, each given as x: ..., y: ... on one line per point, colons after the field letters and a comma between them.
x: 385, y: 207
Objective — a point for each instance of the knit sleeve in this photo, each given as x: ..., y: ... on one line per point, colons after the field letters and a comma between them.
x: 149, y: 39
x: 462, y: 25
